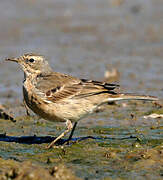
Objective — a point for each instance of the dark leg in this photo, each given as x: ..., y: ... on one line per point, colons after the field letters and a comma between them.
x: 26, y: 107
x: 72, y: 132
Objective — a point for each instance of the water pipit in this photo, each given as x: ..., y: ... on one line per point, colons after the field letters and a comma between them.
x: 63, y: 98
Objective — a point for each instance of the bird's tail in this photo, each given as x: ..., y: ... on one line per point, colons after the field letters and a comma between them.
x: 128, y: 96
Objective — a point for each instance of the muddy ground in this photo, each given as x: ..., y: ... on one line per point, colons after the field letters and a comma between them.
x: 86, y: 39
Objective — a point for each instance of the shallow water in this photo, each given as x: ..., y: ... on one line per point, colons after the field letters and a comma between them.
x: 84, y: 38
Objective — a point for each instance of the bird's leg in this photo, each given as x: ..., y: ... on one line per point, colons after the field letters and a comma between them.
x: 72, y: 132
x: 26, y: 107
x: 68, y: 129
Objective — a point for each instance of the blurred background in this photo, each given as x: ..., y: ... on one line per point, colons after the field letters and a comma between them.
x: 112, y: 40
x: 85, y: 38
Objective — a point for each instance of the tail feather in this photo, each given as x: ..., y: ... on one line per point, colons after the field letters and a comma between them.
x: 128, y: 96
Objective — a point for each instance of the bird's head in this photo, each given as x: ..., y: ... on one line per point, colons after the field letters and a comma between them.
x: 32, y: 63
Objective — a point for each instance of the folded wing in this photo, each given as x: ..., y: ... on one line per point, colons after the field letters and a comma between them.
x: 57, y: 87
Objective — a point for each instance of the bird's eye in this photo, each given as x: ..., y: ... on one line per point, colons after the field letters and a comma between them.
x: 31, y: 60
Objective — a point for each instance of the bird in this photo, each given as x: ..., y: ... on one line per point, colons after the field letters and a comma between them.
x: 59, y: 97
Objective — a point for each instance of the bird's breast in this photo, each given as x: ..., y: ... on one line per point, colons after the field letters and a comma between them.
x: 28, y: 93
x: 37, y: 104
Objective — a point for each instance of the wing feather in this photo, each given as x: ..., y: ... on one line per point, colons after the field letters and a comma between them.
x: 57, y: 87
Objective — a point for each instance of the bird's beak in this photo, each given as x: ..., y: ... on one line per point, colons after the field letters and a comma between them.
x: 12, y: 59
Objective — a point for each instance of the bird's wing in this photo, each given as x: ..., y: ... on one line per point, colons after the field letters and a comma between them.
x: 91, y: 87
x: 59, y: 86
